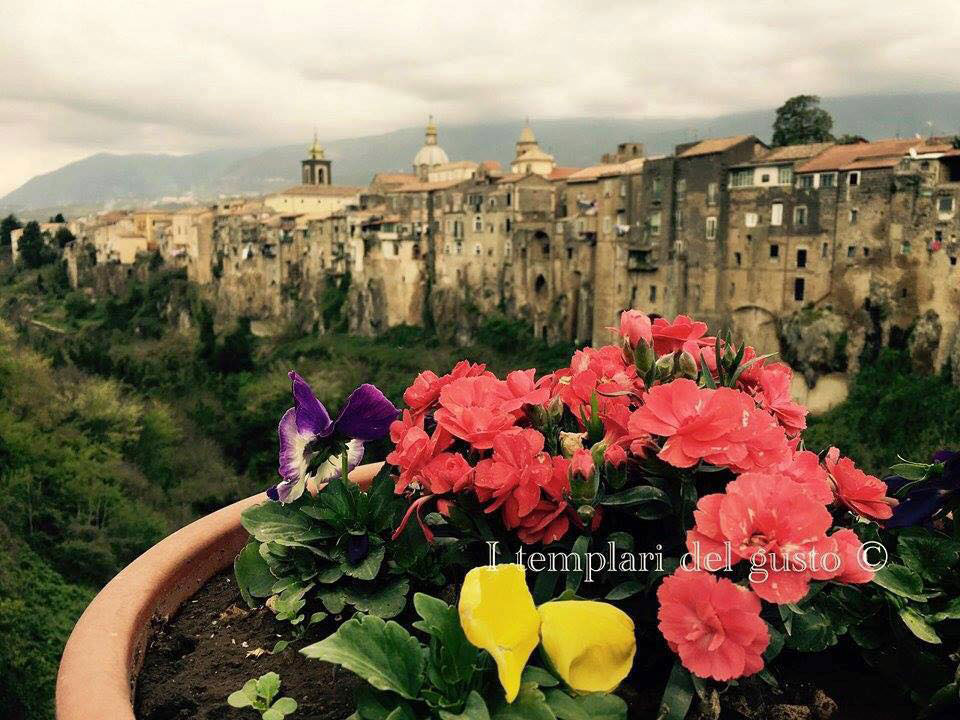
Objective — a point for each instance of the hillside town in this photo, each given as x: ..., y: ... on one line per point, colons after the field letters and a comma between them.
x: 828, y: 244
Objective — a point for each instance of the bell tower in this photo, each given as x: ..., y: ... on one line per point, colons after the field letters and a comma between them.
x: 315, y: 169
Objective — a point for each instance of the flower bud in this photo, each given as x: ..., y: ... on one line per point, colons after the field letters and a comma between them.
x: 644, y: 357
x: 586, y: 513
x: 665, y: 367
x: 584, y: 480
x: 687, y: 366
x: 570, y: 442
x: 627, y: 349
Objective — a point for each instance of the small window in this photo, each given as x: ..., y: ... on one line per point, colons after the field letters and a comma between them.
x: 653, y: 293
x: 478, y: 224
x: 905, y: 247
x: 741, y: 178
x: 546, y: 248
x: 828, y: 180
x: 678, y: 218
x: 945, y: 204
x: 765, y: 178
x: 953, y: 259
x: 776, y: 214
x: 805, y: 182
x: 654, y: 223
x: 938, y: 235
x: 798, y: 288
x: 801, y: 258
x: 800, y: 215
x: 750, y: 219
x: 854, y: 215
x: 737, y: 258
x: 785, y: 175
x: 459, y: 248
x: 866, y: 252
x: 569, y: 253
x: 853, y: 179
x: 825, y: 250
x: 711, y: 228
x: 655, y: 185
x: 774, y: 251
x: 478, y: 249
x: 851, y: 251
x: 712, y: 193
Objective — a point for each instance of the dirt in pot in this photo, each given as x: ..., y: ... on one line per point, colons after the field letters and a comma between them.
x: 216, y: 643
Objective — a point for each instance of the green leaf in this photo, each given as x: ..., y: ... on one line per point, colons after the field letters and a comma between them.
x: 625, y: 589
x: 275, y: 521
x: 268, y: 686
x: 950, y: 612
x: 812, y: 632
x: 368, y: 568
x: 538, y: 676
x: 598, y: 706
x: 901, y: 581
x: 918, y: 626
x: 929, y: 556
x: 382, y: 653
x: 530, y: 704
x: 387, y: 602
x: 253, y: 574
x: 285, y: 705
x: 333, y: 600
x: 240, y: 699
x: 377, y: 705
x: 474, y: 709
x: 910, y: 471
x: 545, y: 586
x: 636, y: 496
x: 272, y: 714
x: 677, y: 695
x: 575, y: 577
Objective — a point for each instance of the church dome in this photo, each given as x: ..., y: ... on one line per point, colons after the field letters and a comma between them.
x: 526, y: 135
x: 430, y: 155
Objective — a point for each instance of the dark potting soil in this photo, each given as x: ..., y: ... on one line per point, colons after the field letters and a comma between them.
x: 216, y: 643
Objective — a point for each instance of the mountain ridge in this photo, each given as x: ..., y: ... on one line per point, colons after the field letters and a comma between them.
x: 115, y: 180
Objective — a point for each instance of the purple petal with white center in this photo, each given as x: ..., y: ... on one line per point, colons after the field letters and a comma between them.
x: 366, y: 415
x: 293, y: 447
x: 312, y: 416
x: 332, y: 467
x: 287, y: 491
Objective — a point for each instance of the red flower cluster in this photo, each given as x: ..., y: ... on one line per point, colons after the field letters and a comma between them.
x: 535, y: 451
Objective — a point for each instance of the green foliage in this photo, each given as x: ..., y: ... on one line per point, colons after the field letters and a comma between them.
x: 890, y: 409
x: 446, y: 679
x: 34, y: 251
x: 334, y: 549
x: 7, y: 226
x: 259, y: 694
x: 801, y: 120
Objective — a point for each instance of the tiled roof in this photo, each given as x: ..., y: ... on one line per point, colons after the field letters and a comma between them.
x: 427, y: 186
x: 793, y: 152
x: 839, y: 157
x: 321, y: 190
x: 388, y: 178
x: 490, y: 165
x: 714, y: 145
x: 595, y: 172
x: 562, y: 173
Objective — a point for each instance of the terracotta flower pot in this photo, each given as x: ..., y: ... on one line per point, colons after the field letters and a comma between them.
x: 98, y: 670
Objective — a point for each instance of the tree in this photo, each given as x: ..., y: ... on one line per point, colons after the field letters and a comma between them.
x: 58, y: 218
x: 801, y: 120
x: 31, y: 246
x: 7, y: 226
x: 63, y: 237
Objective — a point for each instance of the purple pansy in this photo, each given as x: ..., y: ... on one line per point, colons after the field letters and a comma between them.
x: 307, y: 431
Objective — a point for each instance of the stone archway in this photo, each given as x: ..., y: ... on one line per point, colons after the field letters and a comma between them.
x: 757, y: 326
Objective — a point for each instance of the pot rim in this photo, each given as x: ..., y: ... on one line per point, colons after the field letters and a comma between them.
x: 101, y: 660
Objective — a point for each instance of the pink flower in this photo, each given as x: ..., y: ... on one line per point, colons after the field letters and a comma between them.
x: 425, y: 390
x: 694, y: 420
x: 602, y: 372
x: 760, y: 436
x: 775, y: 397
x: 447, y: 472
x: 549, y: 521
x: 805, y: 470
x: 521, y: 389
x: 618, y: 437
x: 518, y: 468
x: 615, y: 455
x: 712, y: 624
x: 472, y: 409
x: 414, y: 448
x: 582, y: 463
x: 864, y: 494
x: 849, y: 549
x: 634, y: 327
x: 782, y: 532
x: 669, y: 337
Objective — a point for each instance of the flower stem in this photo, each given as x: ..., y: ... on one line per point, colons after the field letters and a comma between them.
x: 344, y: 463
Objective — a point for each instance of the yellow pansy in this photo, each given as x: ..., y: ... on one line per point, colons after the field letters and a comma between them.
x: 498, y: 615
x: 590, y: 644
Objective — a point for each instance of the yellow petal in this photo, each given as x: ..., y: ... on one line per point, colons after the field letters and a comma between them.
x: 590, y: 644
x: 498, y: 615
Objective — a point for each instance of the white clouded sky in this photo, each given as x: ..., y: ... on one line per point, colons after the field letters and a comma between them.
x: 139, y: 76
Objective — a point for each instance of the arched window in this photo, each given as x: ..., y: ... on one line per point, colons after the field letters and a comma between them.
x: 416, y: 250
x: 540, y: 284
